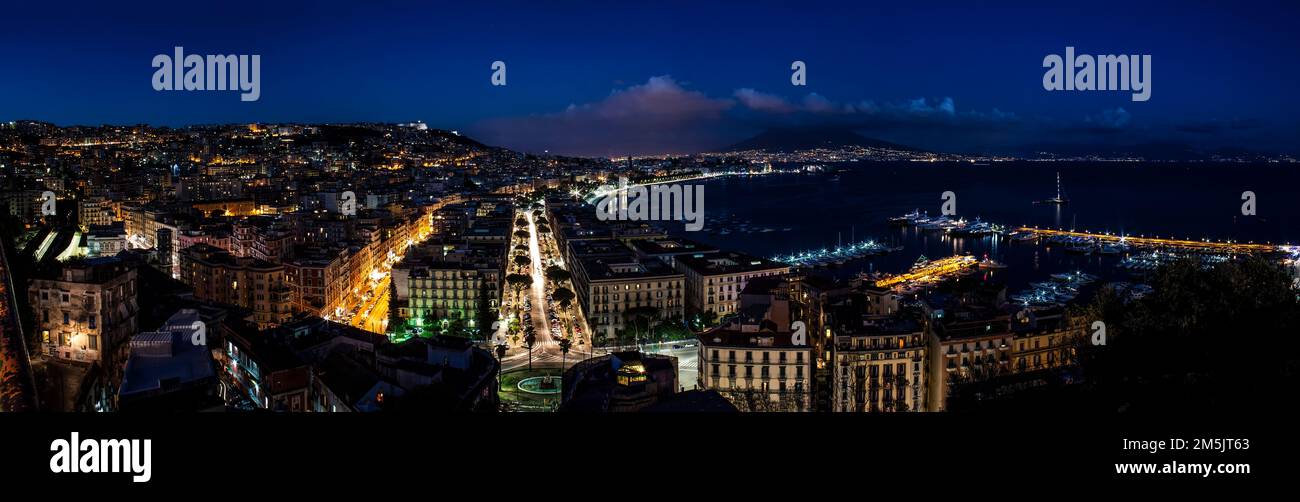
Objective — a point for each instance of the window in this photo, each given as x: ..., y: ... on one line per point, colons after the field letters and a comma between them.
x: 92, y: 321
x: 66, y: 321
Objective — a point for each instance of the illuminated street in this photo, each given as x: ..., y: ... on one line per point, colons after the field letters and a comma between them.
x: 546, y: 349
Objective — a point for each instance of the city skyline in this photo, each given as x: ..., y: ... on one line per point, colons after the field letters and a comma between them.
x: 861, y: 245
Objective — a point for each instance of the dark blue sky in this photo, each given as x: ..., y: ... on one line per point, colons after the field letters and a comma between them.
x: 619, y: 77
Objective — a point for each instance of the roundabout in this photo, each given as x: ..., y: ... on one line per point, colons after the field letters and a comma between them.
x: 541, y: 385
x: 538, y: 389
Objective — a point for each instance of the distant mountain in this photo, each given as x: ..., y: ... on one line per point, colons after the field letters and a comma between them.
x: 793, y: 139
x: 1159, y: 150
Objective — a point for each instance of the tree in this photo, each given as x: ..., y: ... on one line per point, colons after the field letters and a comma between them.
x: 564, y: 296
x: 530, y: 338
x: 486, y: 314
x: 565, y: 344
x: 708, y: 319
x: 521, y: 247
x: 522, y: 260
x: 639, y: 315
x: 519, y: 282
x: 501, y: 360
x: 429, y: 320
x: 556, y: 274
x: 395, y: 321
x: 399, y: 330
x: 522, y: 234
x: 541, y: 220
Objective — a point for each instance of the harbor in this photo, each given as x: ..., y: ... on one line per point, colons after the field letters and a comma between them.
x: 838, y: 255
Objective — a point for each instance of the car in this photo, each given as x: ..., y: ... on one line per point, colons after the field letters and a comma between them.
x: 677, y: 346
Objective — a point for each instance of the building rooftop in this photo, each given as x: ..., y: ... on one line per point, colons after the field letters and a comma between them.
x: 167, y: 362
x: 670, y: 246
x: 727, y: 337
x: 625, y: 266
x: 727, y: 262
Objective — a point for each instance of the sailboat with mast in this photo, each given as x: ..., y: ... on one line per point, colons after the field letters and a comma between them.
x: 1060, y: 198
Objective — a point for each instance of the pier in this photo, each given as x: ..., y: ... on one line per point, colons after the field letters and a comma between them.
x: 930, y: 271
x: 1156, y: 242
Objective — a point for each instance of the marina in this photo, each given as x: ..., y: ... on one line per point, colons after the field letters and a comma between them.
x: 838, y: 255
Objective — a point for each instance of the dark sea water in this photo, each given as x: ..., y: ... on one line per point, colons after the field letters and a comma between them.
x: 854, y: 202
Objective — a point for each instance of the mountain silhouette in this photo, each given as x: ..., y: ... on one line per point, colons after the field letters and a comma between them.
x: 793, y: 138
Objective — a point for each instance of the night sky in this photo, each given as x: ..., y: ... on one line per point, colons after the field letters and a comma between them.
x: 609, y: 78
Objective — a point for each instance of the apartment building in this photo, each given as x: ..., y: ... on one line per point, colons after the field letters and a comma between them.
x: 87, y: 313
x: 452, y: 280
x: 610, y: 280
x: 714, y: 280
x: 220, y: 277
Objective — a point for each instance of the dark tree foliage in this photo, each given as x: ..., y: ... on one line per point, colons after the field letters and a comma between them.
x: 1223, y: 338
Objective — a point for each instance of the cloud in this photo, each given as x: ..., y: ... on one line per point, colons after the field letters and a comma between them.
x: 816, y: 104
x: 1112, y: 119
x: 763, y: 102
x: 663, y: 116
x: 659, y: 116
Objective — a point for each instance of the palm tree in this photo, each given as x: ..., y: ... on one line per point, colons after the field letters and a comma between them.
x: 501, y: 360
x: 429, y: 320
x: 530, y: 338
x: 565, y: 343
x: 638, y: 315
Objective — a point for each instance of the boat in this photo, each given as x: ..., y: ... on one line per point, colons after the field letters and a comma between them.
x: 1024, y: 237
x: 1060, y: 199
x: 907, y: 219
x: 939, y: 223
x: 1113, y: 248
x: 1081, y: 246
x: 988, y: 263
